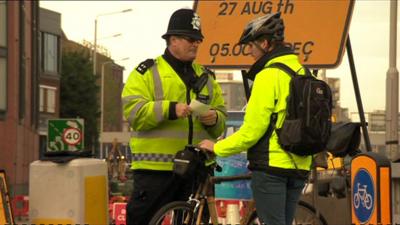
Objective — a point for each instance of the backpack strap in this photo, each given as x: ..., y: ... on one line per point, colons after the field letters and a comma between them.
x: 283, y: 67
x: 287, y: 69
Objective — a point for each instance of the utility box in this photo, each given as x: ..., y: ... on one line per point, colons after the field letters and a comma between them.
x: 69, y: 193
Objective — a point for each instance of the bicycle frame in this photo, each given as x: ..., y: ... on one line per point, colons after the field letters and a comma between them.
x: 205, y: 192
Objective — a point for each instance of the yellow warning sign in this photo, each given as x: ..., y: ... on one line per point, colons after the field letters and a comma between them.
x: 5, y: 205
x: 315, y: 29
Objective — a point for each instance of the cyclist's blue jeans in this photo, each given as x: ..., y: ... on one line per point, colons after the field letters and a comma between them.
x: 276, y: 197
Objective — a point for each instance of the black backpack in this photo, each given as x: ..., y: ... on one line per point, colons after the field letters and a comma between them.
x: 307, y: 126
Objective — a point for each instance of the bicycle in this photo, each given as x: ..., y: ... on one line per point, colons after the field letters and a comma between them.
x: 194, y: 211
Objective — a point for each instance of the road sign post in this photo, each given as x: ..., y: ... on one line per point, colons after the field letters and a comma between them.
x: 315, y: 30
x: 65, y: 135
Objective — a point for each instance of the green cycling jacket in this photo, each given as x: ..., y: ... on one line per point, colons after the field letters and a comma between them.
x: 269, y: 92
x: 146, y: 100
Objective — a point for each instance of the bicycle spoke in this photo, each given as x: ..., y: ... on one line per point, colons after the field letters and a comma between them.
x: 175, y: 213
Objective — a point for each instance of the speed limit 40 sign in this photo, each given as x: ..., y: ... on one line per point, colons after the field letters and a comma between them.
x: 65, y: 135
x: 72, y: 136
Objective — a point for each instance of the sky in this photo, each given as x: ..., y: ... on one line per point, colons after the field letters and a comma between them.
x: 142, y: 28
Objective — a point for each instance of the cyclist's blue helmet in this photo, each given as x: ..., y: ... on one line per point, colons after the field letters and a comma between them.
x: 270, y: 25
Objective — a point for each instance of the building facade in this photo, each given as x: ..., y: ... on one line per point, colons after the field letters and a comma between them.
x: 50, y: 71
x: 19, y: 91
x: 339, y: 114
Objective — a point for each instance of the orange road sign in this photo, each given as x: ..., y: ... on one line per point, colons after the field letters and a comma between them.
x: 6, y: 216
x: 315, y: 29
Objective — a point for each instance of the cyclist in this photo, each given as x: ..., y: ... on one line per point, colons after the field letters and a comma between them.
x: 277, y: 176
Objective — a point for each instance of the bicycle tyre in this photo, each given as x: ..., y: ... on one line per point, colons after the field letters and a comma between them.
x: 173, y: 214
x: 303, y: 209
x: 305, y: 215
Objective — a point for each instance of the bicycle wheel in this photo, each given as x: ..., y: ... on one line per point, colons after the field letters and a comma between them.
x: 305, y: 215
x: 175, y: 213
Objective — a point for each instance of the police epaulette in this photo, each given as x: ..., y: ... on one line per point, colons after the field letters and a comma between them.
x: 144, y: 66
x: 210, y: 72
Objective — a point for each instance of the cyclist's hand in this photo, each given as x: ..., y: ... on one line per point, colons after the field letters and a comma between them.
x: 210, y: 118
x: 182, y: 110
x: 207, y: 145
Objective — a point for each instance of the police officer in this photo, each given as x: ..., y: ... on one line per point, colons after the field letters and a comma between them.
x: 156, y: 100
x: 277, y: 176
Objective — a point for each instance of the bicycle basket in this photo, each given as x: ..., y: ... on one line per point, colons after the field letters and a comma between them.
x: 186, y: 162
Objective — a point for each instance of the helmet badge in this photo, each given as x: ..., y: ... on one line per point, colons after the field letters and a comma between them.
x: 196, y: 21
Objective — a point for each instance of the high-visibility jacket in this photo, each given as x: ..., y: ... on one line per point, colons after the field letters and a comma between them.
x: 146, y: 100
x: 269, y: 92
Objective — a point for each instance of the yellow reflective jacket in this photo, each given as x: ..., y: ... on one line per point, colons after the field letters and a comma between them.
x: 269, y: 92
x: 146, y: 100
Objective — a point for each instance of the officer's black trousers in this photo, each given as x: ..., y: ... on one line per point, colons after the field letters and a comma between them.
x: 151, y: 191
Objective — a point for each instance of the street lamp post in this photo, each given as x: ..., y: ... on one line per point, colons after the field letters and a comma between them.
x: 95, y: 35
x: 102, y: 104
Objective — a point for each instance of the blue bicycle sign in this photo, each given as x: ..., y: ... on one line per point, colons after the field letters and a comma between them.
x: 363, y: 195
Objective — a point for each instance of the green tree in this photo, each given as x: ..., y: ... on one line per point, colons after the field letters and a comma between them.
x: 78, y: 94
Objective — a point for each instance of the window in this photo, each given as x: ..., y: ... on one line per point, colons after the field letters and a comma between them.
x: 50, y: 53
x: 47, y: 99
x: 51, y: 100
x: 3, y: 56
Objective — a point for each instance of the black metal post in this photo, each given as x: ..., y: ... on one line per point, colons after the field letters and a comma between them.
x: 246, y: 85
x: 358, y: 95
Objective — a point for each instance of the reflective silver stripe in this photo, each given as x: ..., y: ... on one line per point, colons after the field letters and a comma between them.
x: 158, y: 91
x: 135, y: 109
x: 155, y: 157
x: 210, y: 89
x: 158, y: 110
x: 127, y: 99
x: 169, y: 134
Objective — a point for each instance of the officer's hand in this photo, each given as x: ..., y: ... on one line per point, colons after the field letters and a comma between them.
x: 182, y: 110
x: 207, y: 145
x: 209, y: 118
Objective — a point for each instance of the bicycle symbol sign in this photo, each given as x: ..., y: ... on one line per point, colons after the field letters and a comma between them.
x: 363, y: 195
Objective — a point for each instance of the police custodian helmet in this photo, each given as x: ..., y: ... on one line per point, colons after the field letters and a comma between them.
x: 184, y: 22
x: 270, y: 25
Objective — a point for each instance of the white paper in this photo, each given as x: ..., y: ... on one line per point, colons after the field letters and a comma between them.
x: 198, y: 108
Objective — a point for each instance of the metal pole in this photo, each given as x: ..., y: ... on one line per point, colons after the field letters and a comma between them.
x: 392, y: 109
x: 95, y: 47
x: 95, y: 36
x: 246, y: 85
x: 392, y: 89
x: 358, y: 95
x: 101, y: 109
